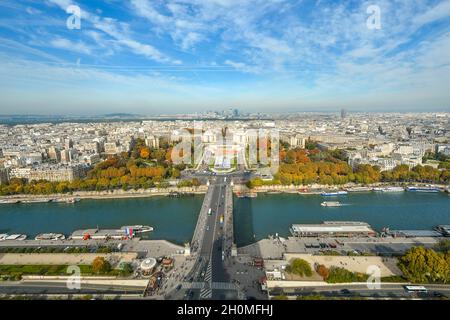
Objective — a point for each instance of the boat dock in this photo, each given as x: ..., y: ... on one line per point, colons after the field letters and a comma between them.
x: 415, y: 233
x: 333, y: 229
x: 124, y: 233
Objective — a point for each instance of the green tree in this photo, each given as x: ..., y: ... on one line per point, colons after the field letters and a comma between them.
x: 300, y: 267
x: 422, y: 265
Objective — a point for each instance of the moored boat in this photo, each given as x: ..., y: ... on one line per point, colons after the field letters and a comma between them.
x: 50, y: 236
x: 389, y: 189
x: 9, y: 201
x: 429, y: 189
x: 443, y: 229
x: 393, y: 189
x: 137, y: 228
x: 17, y: 237
x: 246, y: 194
x: 336, y: 193
x: 66, y: 200
x: 44, y: 200
x: 359, y: 189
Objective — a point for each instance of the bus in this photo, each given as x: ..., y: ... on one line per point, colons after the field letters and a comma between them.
x: 420, y: 289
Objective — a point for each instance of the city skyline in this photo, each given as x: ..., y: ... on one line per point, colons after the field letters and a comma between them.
x: 149, y: 58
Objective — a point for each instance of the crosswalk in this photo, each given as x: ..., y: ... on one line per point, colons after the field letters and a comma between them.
x: 223, y: 286
x: 206, y: 292
x: 212, y: 285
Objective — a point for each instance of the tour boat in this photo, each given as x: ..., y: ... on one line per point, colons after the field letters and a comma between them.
x: 337, y: 193
x: 389, y: 189
x: 359, y: 189
x: 44, y: 200
x: 423, y: 189
x: 393, y: 189
x: 331, y: 204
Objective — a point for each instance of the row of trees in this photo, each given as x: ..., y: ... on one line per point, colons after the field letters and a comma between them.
x: 19, y: 186
x: 308, y: 166
x: 341, y: 173
x: 142, y: 167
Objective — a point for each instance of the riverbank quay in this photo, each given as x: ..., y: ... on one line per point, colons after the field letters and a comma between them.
x: 144, y: 248
x: 276, y: 248
x: 64, y: 258
x: 319, y: 188
x: 110, y: 194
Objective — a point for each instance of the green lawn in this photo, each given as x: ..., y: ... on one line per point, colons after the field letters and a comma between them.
x: 48, y: 270
x: 51, y: 270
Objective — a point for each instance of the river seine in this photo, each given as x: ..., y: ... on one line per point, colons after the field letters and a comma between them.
x: 174, y: 219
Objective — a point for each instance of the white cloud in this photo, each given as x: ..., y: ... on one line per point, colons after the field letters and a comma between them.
x: 119, y: 31
x: 440, y: 11
x: 66, y: 44
x: 240, y: 66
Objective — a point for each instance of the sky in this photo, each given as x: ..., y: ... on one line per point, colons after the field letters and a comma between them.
x: 153, y: 57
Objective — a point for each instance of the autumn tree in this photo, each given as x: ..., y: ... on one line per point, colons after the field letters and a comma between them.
x: 101, y: 265
x: 145, y: 153
x: 322, y: 271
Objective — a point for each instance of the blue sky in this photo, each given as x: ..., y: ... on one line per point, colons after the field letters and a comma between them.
x: 155, y: 57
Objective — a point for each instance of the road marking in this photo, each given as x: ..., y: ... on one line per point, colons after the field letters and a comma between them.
x: 208, y: 274
x: 206, y: 294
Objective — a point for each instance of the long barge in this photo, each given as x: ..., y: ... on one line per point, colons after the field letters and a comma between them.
x: 423, y: 189
x: 124, y: 233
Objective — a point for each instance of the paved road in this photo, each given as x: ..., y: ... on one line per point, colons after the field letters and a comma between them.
x: 43, y: 288
x: 387, y: 290
x: 208, y: 247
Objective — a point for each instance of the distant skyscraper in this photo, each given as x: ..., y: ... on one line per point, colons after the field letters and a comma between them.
x: 343, y: 113
x: 235, y: 113
x: 54, y: 153
x: 68, y: 143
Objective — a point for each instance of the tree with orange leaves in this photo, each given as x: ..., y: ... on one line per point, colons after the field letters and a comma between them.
x: 145, y: 153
